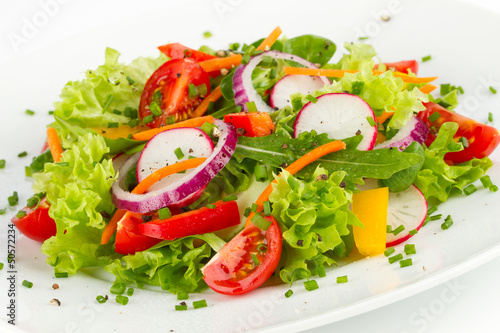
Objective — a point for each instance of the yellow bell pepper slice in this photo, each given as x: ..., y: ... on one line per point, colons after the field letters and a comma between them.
x: 371, y: 209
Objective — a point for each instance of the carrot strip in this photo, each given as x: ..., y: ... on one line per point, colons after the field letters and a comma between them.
x: 54, y: 144
x: 295, y: 167
x: 148, y: 134
x: 383, y: 117
x: 216, y: 64
x: 270, y: 40
x: 341, y: 73
x: 203, y: 107
x: 144, y: 185
x: 427, y: 89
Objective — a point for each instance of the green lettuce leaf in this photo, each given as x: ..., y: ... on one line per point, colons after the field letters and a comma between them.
x: 315, y: 49
x: 360, y: 55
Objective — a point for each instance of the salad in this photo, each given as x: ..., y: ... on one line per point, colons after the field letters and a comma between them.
x: 220, y: 169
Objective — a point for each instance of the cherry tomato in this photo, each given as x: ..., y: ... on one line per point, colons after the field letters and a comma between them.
x: 234, y: 269
x: 168, y: 90
x: 482, y: 139
x: 36, y: 224
x: 179, y: 51
x: 200, y: 221
x: 402, y: 66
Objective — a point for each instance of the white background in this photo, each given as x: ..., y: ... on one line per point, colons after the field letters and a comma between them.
x: 469, y: 304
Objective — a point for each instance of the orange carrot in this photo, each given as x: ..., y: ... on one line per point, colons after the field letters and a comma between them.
x: 217, y: 64
x: 341, y: 73
x: 383, y: 117
x: 148, y: 134
x: 144, y: 185
x: 54, y: 144
x: 295, y: 167
x: 203, y: 107
x: 427, y: 89
x: 270, y: 40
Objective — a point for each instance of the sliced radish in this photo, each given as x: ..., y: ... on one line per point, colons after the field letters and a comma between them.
x: 415, y: 130
x: 243, y: 88
x: 341, y: 116
x: 407, y: 208
x: 290, y: 84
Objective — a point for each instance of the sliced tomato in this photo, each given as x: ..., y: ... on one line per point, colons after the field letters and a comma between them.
x: 200, y: 221
x: 404, y: 66
x: 36, y: 224
x: 128, y: 238
x: 168, y: 87
x: 179, y: 51
x: 482, y: 139
x: 234, y: 270
x: 251, y: 123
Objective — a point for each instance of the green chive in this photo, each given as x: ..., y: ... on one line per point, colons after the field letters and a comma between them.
x: 1, y: 266
x: 193, y: 92
x: 234, y: 46
x: 27, y: 284
x: 395, y: 258
x: 272, y: 74
x: 202, y: 90
x: 118, y: 288
x: 463, y: 140
x: 396, y: 231
x: 455, y: 146
x: 388, y: 229
x: 251, y: 107
x: 155, y: 109
x: 108, y: 101
x: 130, y: 291
x: 493, y: 90
x: 371, y: 121
x: 435, y: 116
x: 112, y: 125
x: 22, y: 154
x: 130, y: 80
x: 2, y: 164
x: 229, y: 198
x: 255, y: 260
x: 311, y: 99
x: 13, y: 199
x: 164, y: 213
x: 51, y: 113
x: 31, y: 113
x: 130, y: 113
x: 470, y: 189
x: 321, y: 271
x: 426, y: 58
x: 61, y: 275
x: 133, y: 123
x: 200, y: 304
x: 260, y: 172
x: 432, y: 210
x: 297, y: 103
x: 260, y: 222
x: 247, y: 211
x: 33, y: 201
x: 405, y: 263
x: 181, y: 307
x: 389, y: 251
x: 287, y: 128
x: 363, y: 38
x: 208, y: 128
x: 182, y: 296
x: 410, y: 249
x: 461, y: 90
x: 254, y: 207
x: 101, y: 299
x: 294, y: 184
x: 342, y: 279
x: 490, y: 117
x: 21, y: 214
x: 493, y: 188
x: 448, y: 222
x: 289, y: 293
x: 413, y: 232
x: 245, y: 59
x: 27, y: 171
x: 435, y: 217
x: 267, y: 208
x: 3, y: 211
x: 207, y: 34
x: 147, y: 119
x: 123, y: 300
x: 211, y: 206
x: 445, y: 89
x: 262, y: 248
x: 178, y: 152
x: 311, y: 285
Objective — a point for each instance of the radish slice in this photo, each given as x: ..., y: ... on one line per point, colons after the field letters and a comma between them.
x: 407, y: 208
x: 244, y: 91
x: 176, y: 191
x: 290, y: 84
x: 341, y: 116
x: 415, y: 130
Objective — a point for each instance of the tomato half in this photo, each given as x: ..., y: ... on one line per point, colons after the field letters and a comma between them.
x: 402, y: 66
x: 179, y: 51
x: 482, y: 139
x: 36, y: 224
x: 168, y: 87
x: 233, y: 270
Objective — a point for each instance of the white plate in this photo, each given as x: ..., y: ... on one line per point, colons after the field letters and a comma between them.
x: 460, y: 55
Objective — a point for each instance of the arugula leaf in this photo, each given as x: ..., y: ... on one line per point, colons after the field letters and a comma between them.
x: 318, y: 50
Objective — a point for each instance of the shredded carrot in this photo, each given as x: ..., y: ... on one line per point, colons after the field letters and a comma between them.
x: 383, y: 117
x: 203, y: 107
x: 216, y: 64
x: 295, y: 167
x: 54, y: 144
x: 144, y: 185
x: 427, y: 89
x: 270, y: 40
x: 341, y: 73
x: 148, y: 134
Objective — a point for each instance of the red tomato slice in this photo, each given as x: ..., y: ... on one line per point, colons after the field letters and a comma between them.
x: 200, y: 221
x: 172, y: 80
x: 36, y: 224
x: 253, y: 123
x: 402, y: 66
x: 483, y: 139
x: 128, y: 238
x: 233, y: 271
x: 179, y: 51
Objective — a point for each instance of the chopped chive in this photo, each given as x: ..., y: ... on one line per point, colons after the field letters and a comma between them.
x: 130, y: 80
x: 294, y: 184
x: 426, y: 58
x: 254, y: 207
x: 33, y: 201
x: 262, y: 248
x: 260, y: 222
x: 211, y: 206
x: 31, y: 112
x: 202, y: 90
x: 130, y: 291
x: 207, y: 34
x: 133, y: 123
x: 181, y: 307
x: 123, y: 300
x: 13, y: 199
x: 22, y: 154
x: 255, y: 260
x: 287, y: 128
x: 396, y: 231
x: 27, y: 171
x: 435, y: 217
x: 389, y: 251
x: 1, y: 266
x: 342, y: 279
x: 413, y: 232
x: 493, y: 90
x: 130, y: 113
x: 432, y: 210
x: 182, y: 296
x: 147, y: 119
x: 455, y: 146
x: 61, y: 275
x: 260, y: 172
x: 463, y: 140
x: 112, y: 125
x: 289, y: 293
x: 27, y: 284
x: 410, y: 249
x: 405, y: 263
x: 321, y: 271
x: 445, y: 89
x: 371, y: 121
x: 200, y: 304
x: 486, y: 181
x: 118, y: 288
x: 2, y: 164
x: 51, y: 113
x: 493, y: 188
x: 490, y: 117
x: 468, y: 190
x: 178, y: 152
x: 229, y: 198
x: 435, y: 116
x: 245, y: 59
x: 267, y: 208
x: 311, y: 98
x: 234, y: 46
x: 297, y: 103
x: 21, y: 214
x: 101, y: 299
x: 395, y: 258
x: 155, y: 109
x: 251, y: 107
x: 448, y: 222
x: 247, y: 211
x: 208, y: 128
x: 193, y: 92
x: 272, y: 73
x: 3, y: 210
x: 311, y: 285
x: 461, y: 90
x: 164, y: 213
x: 388, y: 229
x: 363, y: 38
